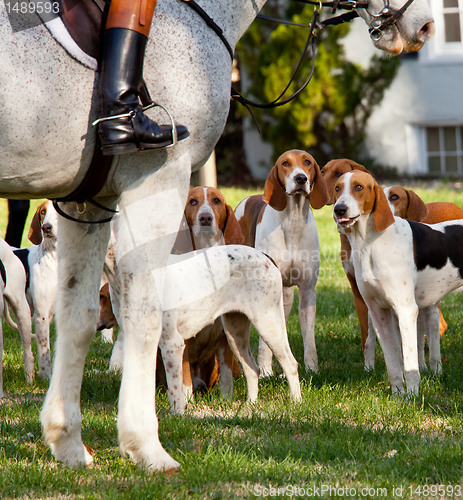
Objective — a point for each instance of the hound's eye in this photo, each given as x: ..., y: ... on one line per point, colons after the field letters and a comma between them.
x: 358, y: 187
x: 394, y: 197
x: 323, y: 173
x: 337, y: 189
x: 43, y: 211
x: 285, y: 164
x: 193, y: 201
x: 338, y: 174
x: 216, y: 201
x: 306, y: 162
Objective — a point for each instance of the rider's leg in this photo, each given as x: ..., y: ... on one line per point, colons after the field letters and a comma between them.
x: 121, y: 76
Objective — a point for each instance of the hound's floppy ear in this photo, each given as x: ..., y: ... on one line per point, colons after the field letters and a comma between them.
x: 417, y: 210
x: 35, y: 231
x: 319, y: 196
x: 232, y: 234
x: 356, y: 166
x: 274, y: 191
x: 382, y: 216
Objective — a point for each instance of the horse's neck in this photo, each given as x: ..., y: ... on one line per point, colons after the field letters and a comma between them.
x: 225, y: 14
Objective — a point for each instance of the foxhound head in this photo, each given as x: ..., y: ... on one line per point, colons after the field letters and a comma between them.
x: 44, y: 224
x: 209, y: 218
x: 356, y: 194
x: 295, y: 172
x: 405, y: 203
x: 334, y: 169
x: 106, y: 318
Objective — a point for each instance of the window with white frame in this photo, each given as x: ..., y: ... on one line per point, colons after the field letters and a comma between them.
x: 444, y: 150
x: 447, y: 44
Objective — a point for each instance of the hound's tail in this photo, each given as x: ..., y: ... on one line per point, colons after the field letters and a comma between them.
x: 7, y: 316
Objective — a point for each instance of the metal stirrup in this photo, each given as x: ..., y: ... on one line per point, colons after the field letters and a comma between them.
x: 131, y: 114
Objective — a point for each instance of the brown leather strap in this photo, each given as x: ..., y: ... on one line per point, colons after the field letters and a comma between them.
x: 83, y: 21
x: 135, y: 15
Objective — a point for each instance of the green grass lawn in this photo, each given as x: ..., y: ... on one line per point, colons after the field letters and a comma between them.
x: 348, y: 438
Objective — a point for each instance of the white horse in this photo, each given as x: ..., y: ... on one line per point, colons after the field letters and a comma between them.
x: 48, y: 102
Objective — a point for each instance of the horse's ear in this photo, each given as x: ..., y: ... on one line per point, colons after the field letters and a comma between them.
x: 35, y: 231
x: 417, y: 210
x: 274, y: 191
x: 382, y: 215
x: 232, y: 234
x: 319, y: 196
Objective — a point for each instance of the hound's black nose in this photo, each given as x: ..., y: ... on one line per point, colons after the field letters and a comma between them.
x: 340, y: 209
x: 47, y: 228
x: 300, y: 179
x: 205, y: 219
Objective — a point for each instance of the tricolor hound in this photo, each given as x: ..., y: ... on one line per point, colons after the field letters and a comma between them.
x: 40, y: 263
x: 281, y: 224
x: 407, y: 205
x: 12, y: 286
x: 400, y: 266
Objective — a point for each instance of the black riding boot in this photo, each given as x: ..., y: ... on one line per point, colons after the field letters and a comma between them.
x: 121, y: 77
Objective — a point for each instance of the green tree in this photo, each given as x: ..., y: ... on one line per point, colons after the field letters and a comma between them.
x: 329, y: 117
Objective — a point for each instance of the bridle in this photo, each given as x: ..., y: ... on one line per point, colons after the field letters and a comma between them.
x: 380, y: 22
x: 385, y: 18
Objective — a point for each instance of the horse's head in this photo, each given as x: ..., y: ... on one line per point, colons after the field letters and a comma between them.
x: 398, y: 26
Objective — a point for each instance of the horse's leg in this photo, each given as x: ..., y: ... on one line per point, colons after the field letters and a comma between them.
x: 81, y: 253
x: 151, y: 210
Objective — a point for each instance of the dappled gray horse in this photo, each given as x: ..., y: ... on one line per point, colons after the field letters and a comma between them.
x: 46, y: 144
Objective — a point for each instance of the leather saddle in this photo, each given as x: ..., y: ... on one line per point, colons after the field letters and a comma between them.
x: 84, y: 21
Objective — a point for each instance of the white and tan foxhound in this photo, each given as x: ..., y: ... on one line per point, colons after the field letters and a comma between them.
x: 400, y: 266
x: 40, y: 263
x: 281, y: 224
x: 236, y: 283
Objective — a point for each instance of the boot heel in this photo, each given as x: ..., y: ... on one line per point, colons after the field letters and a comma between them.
x: 119, y: 149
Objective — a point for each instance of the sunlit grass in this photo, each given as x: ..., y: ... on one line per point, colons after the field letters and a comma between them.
x: 348, y: 431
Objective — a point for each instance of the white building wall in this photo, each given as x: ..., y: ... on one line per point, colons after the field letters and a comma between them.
x: 428, y: 91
